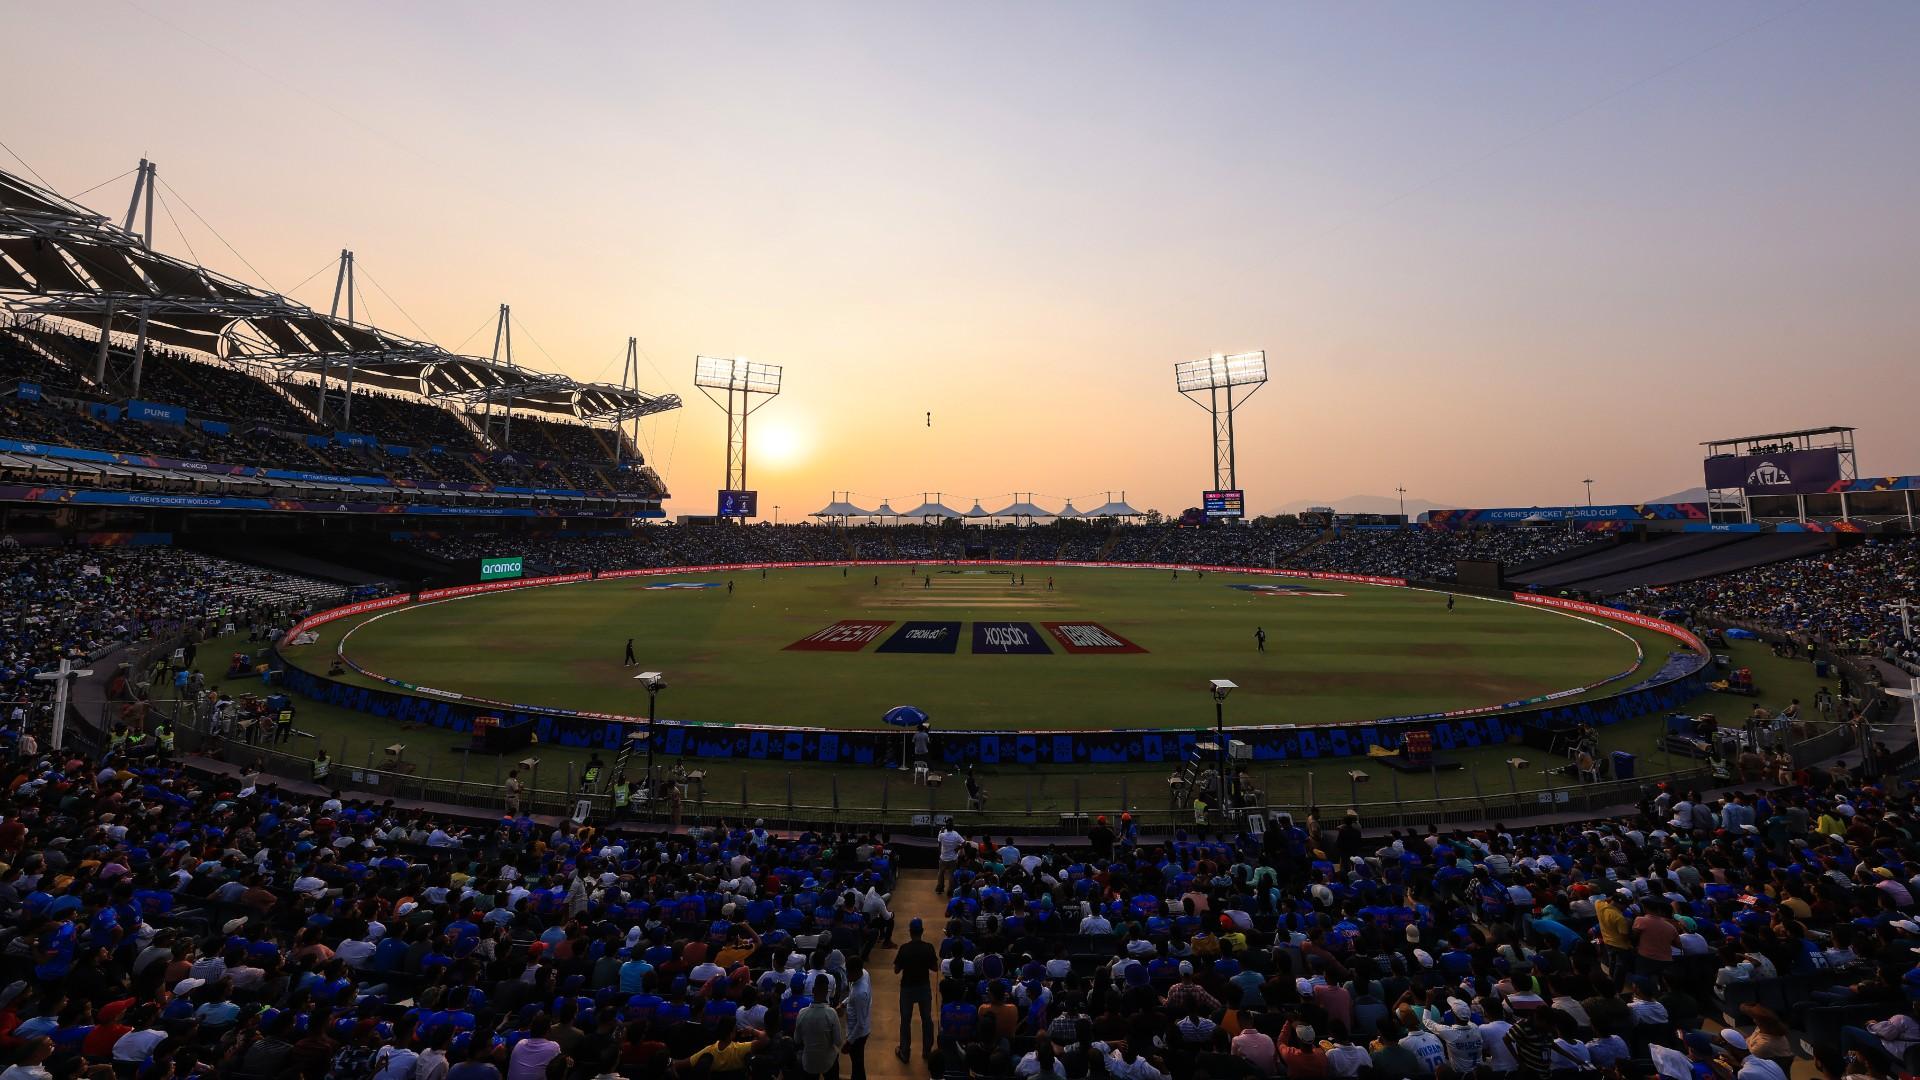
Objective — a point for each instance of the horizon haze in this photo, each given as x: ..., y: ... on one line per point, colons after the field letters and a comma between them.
x: 1490, y: 251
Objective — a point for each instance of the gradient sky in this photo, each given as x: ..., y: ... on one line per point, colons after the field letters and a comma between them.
x: 1490, y: 249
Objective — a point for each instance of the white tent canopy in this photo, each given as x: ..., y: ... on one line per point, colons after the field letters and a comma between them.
x: 1023, y: 508
x: 841, y: 507
x: 886, y: 510
x: 1069, y: 511
x: 932, y: 507
x: 1111, y: 508
x: 978, y: 511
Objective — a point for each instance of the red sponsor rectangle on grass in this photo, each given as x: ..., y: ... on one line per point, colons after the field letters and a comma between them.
x: 1087, y: 637
x: 847, y: 635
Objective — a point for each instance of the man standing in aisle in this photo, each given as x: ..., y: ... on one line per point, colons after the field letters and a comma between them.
x: 915, y: 963
x: 1260, y: 638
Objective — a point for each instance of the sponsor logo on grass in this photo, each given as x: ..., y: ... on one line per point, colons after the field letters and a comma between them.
x: 847, y: 635
x: 1284, y: 590
x: 1084, y: 637
x: 682, y: 585
x: 1008, y: 637
x: 923, y: 637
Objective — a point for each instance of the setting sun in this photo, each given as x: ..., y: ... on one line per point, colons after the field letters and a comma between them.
x: 777, y: 442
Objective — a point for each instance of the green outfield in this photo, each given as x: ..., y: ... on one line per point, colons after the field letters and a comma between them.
x: 1335, y: 653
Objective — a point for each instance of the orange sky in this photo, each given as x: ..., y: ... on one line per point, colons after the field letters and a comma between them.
x: 1490, y: 250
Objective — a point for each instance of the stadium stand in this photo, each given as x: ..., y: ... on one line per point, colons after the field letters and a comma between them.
x: 1849, y: 599
x: 1431, y: 554
x: 1661, y: 559
x: 270, y: 425
x: 165, y: 919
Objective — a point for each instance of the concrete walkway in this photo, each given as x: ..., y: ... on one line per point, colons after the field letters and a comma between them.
x: 913, y: 896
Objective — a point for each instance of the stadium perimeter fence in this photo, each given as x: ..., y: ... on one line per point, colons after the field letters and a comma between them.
x: 357, y: 769
x: 360, y: 769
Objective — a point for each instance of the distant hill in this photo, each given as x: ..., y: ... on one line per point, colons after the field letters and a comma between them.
x: 1367, y: 504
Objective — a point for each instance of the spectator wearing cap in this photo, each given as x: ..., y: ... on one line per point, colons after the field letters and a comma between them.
x: 1188, y: 993
x: 915, y: 963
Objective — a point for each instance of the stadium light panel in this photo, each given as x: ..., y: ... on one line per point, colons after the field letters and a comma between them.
x: 1217, y: 372
x: 738, y: 373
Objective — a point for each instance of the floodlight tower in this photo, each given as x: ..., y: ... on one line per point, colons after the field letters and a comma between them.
x: 1220, y: 384
x: 748, y: 386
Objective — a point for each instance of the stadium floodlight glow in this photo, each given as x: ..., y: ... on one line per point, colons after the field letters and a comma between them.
x: 1220, y: 384
x: 738, y: 373
x: 1217, y: 372
x: 747, y: 385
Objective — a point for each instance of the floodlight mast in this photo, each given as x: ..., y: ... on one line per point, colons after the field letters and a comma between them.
x: 1217, y: 377
x: 748, y: 386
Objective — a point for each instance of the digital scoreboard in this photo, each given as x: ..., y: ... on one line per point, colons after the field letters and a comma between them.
x: 740, y: 504
x: 1223, y: 504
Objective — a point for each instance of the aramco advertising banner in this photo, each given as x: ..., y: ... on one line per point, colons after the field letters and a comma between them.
x: 497, y: 567
x: 1789, y: 472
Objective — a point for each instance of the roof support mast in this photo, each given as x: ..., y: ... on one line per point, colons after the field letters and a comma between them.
x: 343, y: 284
x: 629, y: 382
x: 503, y: 333
x: 143, y: 185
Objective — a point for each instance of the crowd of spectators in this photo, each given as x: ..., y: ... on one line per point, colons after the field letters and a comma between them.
x: 165, y: 923
x: 1242, y: 546
x: 75, y: 603
x: 1433, y: 554
x: 266, y: 427
x: 1408, y: 553
x: 661, y: 546
x: 1849, y: 599
x: 1590, y: 948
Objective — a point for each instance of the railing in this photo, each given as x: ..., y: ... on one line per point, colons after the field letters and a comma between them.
x: 1070, y: 808
x: 479, y: 787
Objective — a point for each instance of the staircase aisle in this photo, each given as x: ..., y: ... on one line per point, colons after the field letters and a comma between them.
x: 913, y: 896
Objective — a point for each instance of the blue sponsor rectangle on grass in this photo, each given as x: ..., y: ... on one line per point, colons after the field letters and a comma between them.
x: 1008, y: 637
x: 923, y: 637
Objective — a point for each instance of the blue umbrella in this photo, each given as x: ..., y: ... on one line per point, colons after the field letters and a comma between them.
x: 905, y: 716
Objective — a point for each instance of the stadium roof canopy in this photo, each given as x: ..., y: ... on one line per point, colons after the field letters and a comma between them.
x: 886, y: 510
x: 977, y: 511
x: 60, y: 259
x: 1110, y: 508
x: 932, y: 508
x: 1803, y: 433
x: 841, y: 508
x: 1069, y: 511
x: 1023, y: 508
